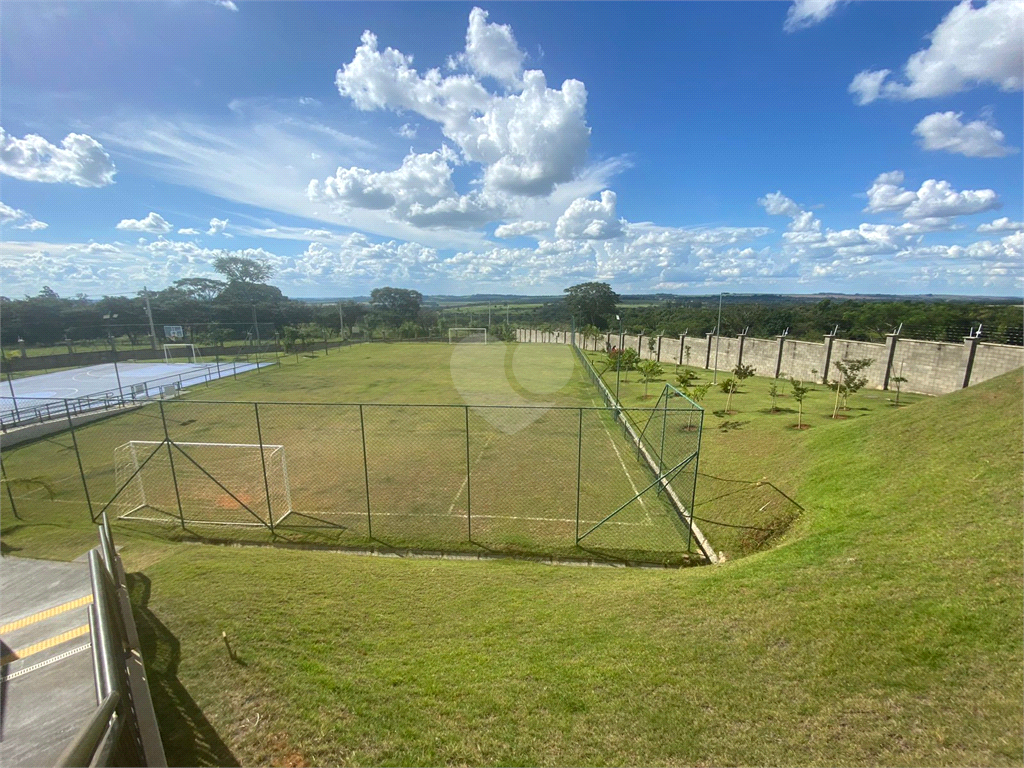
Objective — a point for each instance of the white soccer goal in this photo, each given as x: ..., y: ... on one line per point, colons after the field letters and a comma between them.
x: 478, y: 335
x: 181, y: 353
x: 217, y: 483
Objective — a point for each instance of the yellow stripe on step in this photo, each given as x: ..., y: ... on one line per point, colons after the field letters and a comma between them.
x: 56, y: 610
x: 21, y: 653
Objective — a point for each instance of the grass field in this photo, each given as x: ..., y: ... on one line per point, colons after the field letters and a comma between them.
x: 886, y: 631
x: 885, y: 628
x: 521, y: 496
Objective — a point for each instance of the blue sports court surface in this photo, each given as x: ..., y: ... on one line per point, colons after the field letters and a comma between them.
x: 41, y: 397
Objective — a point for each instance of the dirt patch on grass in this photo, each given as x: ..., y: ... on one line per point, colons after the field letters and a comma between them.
x: 282, y: 753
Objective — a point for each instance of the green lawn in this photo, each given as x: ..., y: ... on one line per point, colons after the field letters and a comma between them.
x: 886, y: 630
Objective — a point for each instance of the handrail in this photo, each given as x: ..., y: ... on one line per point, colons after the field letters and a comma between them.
x: 79, y: 753
x: 123, y: 729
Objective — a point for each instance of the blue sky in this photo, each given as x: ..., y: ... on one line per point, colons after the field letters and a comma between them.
x: 515, y: 147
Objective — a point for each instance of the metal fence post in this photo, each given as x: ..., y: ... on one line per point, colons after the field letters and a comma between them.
x: 78, y: 457
x: 263, y: 459
x: 14, y: 400
x: 10, y: 495
x: 170, y: 455
x: 579, y: 471
x: 366, y: 473
x: 469, y: 506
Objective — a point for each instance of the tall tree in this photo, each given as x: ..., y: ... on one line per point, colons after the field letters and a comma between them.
x: 591, y: 303
x: 396, y: 305
x: 242, y: 269
x: 199, y: 288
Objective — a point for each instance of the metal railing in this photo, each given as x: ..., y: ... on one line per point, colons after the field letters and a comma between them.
x: 122, y: 731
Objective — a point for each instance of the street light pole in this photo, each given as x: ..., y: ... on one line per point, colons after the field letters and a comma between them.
x: 718, y: 336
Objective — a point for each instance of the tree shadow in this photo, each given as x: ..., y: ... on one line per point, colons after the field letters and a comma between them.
x: 188, y: 737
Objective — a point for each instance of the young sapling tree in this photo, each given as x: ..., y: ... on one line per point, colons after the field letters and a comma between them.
x: 799, y: 393
x: 850, y: 381
x: 685, y: 378
x: 898, y: 381
x: 773, y: 393
x: 649, y: 371
x: 740, y: 372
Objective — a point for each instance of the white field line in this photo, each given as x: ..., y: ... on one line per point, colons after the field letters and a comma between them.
x: 629, y: 477
x: 466, y: 478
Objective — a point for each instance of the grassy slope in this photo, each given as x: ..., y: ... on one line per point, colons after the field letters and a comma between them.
x: 752, y: 444
x: 886, y: 630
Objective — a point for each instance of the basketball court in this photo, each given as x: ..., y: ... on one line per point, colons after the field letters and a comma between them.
x: 99, y: 386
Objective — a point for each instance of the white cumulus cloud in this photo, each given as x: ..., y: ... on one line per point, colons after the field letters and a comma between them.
x: 422, y: 179
x: 527, y: 141
x: 217, y: 226
x: 944, y: 131
x: 80, y: 160
x: 777, y: 204
x: 590, y: 219
x: 518, y: 228
x: 970, y: 47
x: 807, y: 13
x: 188, y: 231
x: 491, y: 50
x: 19, y: 218
x: 935, y: 199
x: 154, y: 223
x: 1002, y: 225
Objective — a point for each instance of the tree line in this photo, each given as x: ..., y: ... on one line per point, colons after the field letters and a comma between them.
x: 214, y: 311
x: 763, y: 317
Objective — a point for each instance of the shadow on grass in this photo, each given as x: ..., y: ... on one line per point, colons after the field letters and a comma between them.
x: 187, y: 735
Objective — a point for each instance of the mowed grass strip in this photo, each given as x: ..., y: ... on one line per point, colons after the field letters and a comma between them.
x: 886, y: 630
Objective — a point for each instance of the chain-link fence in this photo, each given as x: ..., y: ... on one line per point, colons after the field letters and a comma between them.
x: 546, y: 481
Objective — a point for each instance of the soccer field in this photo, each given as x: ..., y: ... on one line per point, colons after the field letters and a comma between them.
x: 465, y: 447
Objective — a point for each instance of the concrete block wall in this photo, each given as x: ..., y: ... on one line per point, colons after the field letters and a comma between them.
x: 854, y: 350
x: 762, y: 354
x: 931, y: 368
x: 698, y: 350
x: 991, y: 360
x: 670, y: 350
x: 728, y: 353
x: 800, y: 359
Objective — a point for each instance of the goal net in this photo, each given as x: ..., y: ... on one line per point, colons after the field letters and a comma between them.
x: 181, y: 353
x: 216, y: 483
x: 478, y: 335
